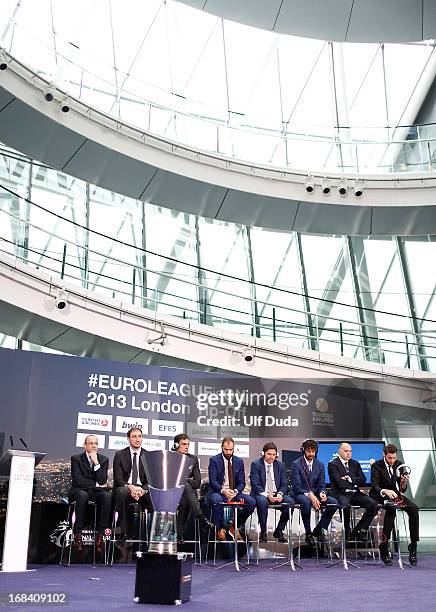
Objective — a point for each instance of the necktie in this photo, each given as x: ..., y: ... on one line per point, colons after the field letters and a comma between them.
x: 346, y: 466
x: 269, y: 480
x: 134, y: 470
x: 91, y: 464
x: 230, y: 473
x: 309, y: 465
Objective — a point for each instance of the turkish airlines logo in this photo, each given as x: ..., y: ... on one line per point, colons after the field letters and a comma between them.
x: 94, y: 422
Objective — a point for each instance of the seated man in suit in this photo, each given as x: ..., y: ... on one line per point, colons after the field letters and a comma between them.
x: 308, y: 484
x: 269, y: 485
x: 226, y: 483
x: 89, y: 481
x: 130, y: 481
x: 386, y: 485
x: 346, y: 478
x: 189, y: 500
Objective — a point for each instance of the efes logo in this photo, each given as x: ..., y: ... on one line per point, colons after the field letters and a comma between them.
x: 94, y: 422
x: 322, y: 404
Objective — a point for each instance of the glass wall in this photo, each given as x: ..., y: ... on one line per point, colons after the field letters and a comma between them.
x: 361, y: 297
x: 219, y: 86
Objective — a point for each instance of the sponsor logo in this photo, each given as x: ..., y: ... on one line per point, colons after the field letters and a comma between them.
x: 80, y: 439
x: 321, y: 416
x: 123, y: 424
x: 208, y: 448
x: 62, y: 535
x: 322, y: 404
x: 166, y: 428
x: 95, y: 422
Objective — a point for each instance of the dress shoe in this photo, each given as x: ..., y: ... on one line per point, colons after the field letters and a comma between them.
x: 385, y: 555
x: 99, y: 545
x: 232, y: 534
x: 280, y: 536
x: 221, y: 535
x: 413, y: 559
x: 318, y: 533
x: 310, y: 540
x: 263, y: 538
x: 78, y: 542
x: 204, y: 522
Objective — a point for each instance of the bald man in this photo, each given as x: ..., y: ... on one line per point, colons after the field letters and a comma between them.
x: 346, y: 478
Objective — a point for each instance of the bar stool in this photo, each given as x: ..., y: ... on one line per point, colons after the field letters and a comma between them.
x: 278, y: 507
x: 232, y: 508
x: 370, y: 550
x: 140, y: 526
x: 196, y: 542
x: 71, y: 521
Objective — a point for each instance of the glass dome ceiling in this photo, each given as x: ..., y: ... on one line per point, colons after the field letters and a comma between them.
x: 227, y: 88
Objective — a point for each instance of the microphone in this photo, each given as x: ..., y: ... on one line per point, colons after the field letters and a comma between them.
x: 12, y: 441
x: 24, y: 444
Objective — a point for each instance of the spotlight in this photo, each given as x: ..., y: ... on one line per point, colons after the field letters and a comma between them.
x: 49, y: 94
x: 358, y: 188
x: 3, y: 62
x: 325, y: 186
x: 248, y: 354
x: 65, y: 105
x: 309, y: 184
x: 61, y: 299
x: 342, y: 187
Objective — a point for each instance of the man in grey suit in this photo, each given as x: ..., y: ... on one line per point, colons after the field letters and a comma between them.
x: 130, y: 481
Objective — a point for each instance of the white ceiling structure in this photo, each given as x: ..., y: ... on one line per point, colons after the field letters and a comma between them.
x: 338, y: 20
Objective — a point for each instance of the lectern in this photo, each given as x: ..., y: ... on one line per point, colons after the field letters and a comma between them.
x: 20, y: 466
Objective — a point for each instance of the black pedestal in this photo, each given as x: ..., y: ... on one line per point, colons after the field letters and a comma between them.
x: 163, y: 579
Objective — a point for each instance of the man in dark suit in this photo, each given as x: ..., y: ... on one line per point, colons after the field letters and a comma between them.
x: 269, y: 485
x: 130, y: 481
x: 89, y: 481
x: 308, y: 484
x: 346, y: 478
x: 226, y: 483
x: 189, y: 500
x: 387, y: 486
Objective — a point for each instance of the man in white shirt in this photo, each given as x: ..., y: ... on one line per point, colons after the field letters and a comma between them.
x: 130, y: 481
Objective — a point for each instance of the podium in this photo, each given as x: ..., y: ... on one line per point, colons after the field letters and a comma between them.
x: 19, y: 466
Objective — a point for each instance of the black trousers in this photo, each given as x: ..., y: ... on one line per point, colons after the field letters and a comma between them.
x: 103, y: 500
x: 122, y: 501
x: 412, y: 511
x: 188, y: 503
x: 363, y: 501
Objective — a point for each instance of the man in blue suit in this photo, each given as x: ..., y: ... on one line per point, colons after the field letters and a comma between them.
x: 269, y: 485
x: 226, y: 483
x: 308, y: 484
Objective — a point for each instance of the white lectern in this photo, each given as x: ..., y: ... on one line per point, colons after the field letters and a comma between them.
x: 20, y: 466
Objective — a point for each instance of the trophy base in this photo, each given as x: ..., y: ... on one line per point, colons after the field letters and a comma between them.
x: 163, y: 579
x: 163, y: 548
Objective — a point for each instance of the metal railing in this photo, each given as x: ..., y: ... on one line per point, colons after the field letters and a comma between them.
x: 233, y: 135
x: 203, y: 300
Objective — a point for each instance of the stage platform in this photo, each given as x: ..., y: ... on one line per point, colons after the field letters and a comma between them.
x: 370, y: 587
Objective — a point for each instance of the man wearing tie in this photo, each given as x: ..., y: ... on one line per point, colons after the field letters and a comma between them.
x: 387, y: 486
x: 226, y: 483
x: 189, y: 500
x: 89, y: 481
x: 346, y: 478
x: 269, y: 485
x: 130, y: 481
x: 308, y: 484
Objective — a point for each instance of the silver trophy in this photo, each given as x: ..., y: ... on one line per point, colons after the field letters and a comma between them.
x: 166, y: 474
